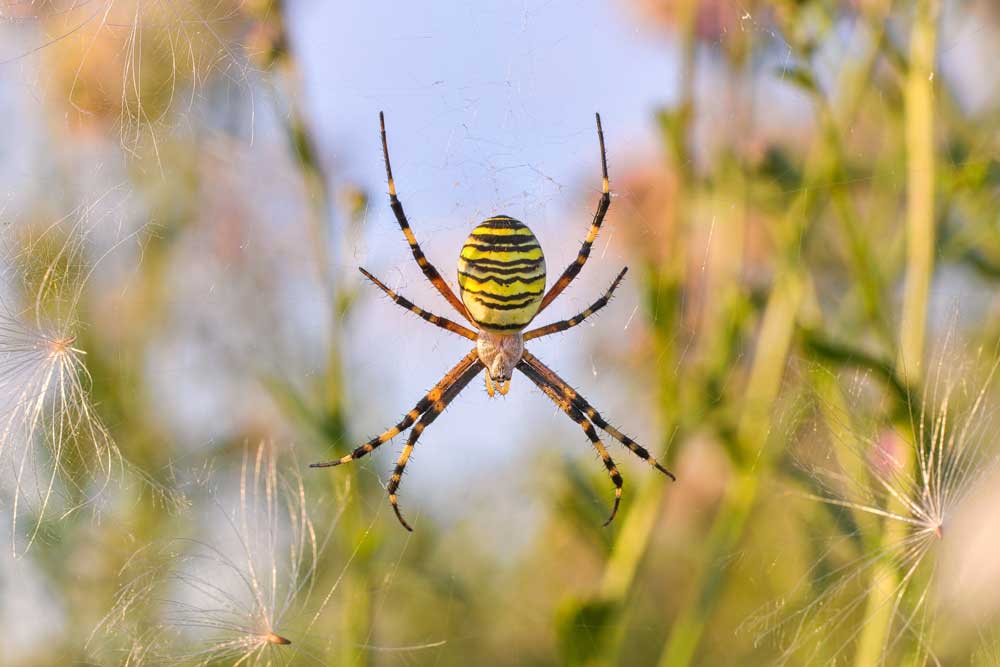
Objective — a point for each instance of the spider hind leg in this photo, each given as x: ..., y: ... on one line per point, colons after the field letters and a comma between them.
x: 423, y: 405
x: 549, y: 376
x: 588, y: 428
x: 438, y: 406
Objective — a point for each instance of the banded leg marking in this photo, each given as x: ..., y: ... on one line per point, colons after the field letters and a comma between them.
x: 602, y: 208
x: 436, y: 320
x: 397, y: 208
x: 432, y: 413
x: 427, y: 402
x: 576, y: 415
x: 531, y: 361
x: 556, y: 327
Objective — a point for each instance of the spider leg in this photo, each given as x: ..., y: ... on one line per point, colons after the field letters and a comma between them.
x: 436, y: 320
x: 602, y: 208
x: 469, y: 361
x: 438, y: 406
x: 530, y: 362
x: 567, y: 406
x: 418, y: 254
x: 562, y: 325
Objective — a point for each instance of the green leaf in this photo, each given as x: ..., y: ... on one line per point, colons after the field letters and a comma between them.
x: 584, y: 629
x: 800, y: 77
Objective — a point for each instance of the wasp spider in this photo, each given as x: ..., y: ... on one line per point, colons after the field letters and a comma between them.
x: 501, y: 278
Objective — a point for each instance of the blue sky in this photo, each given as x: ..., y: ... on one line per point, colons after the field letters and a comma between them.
x: 490, y: 109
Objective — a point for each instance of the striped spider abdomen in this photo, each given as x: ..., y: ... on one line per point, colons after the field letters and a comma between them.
x: 501, y: 275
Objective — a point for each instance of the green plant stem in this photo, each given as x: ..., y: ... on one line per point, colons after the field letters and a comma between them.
x: 919, y: 119
x: 687, y: 631
x: 752, y: 460
x: 630, y: 545
x: 852, y: 81
x: 843, y: 354
x: 629, y: 548
x: 773, y: 346
x: 328, y: 417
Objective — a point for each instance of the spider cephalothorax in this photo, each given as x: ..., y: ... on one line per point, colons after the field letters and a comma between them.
x: 500, y: 354
x: 501, y: 278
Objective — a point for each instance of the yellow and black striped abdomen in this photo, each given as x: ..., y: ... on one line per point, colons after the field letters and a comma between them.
x: 501, y: 274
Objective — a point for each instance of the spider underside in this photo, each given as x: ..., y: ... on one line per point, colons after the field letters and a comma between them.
x: 502, y: 281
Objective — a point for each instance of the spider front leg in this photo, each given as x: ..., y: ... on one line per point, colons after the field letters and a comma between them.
x: 562, y: 325
x: 432, y: 413
x: 567, y: 406
x: 602, y: 208
x: 436, y: 320
x: 455, y: 375
x: 397, y: 208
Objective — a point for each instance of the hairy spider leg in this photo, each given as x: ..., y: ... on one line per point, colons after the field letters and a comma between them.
x: 530, y: 361
x: 562, y: 325
x: 436, y: 409
x: 602, y: 208
x: 471, y: 360
x: 436, y: 320
x: 418, y: 254
x: 567, y: 406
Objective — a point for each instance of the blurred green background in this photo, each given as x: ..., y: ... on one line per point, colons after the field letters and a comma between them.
x: 805, y: 192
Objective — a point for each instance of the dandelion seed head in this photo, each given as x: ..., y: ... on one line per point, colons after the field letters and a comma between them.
x: 53, y: 444
x: 244, y: 593
x: 894, y: 494
x: 131, y: 65
x: 57, y: 456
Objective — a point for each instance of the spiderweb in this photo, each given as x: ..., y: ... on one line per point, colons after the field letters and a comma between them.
x: 215, y: 166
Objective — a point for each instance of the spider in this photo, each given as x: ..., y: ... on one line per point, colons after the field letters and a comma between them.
x: 501, y: 278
